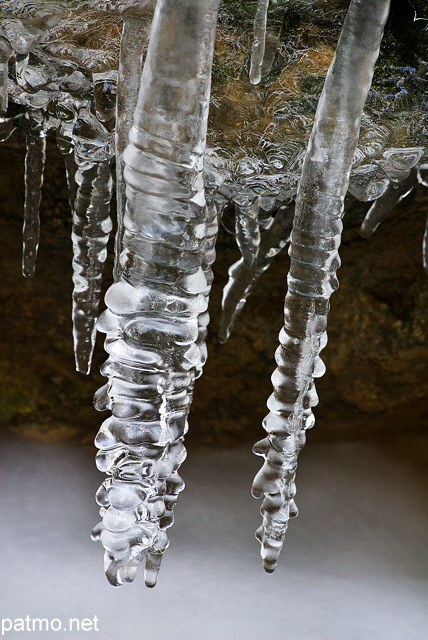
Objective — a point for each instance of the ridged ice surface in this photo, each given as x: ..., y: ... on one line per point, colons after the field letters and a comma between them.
x: 135, y: 34
x: 315, y: 241
x: 155, y: 321
x: 74, y: 68
x: 90, y: 234
x: 90, y: 231
x: 35, y: 158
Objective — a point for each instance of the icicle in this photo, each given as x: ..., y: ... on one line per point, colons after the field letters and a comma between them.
x: 314, y: 257
x: 8, y: 126
x: 258, y: 48
x: 91, y: 229
x: 6, y: 52
x: 423, y: 174
x: 425, y: 247
x: 395, y: 192
x: 35, y: 158
x: 247, y: 227
x: 136, y: 23
x: 90, y: 234
x: 156, y: 310
x: 242, y: 279
x: 65, y: 145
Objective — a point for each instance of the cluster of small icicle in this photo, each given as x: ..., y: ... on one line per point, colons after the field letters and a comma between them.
x: 150, y: 116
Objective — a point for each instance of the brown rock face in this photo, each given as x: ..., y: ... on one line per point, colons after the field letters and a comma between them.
x: 377, y: 355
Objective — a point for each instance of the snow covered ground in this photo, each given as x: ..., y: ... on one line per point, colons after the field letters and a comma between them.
x: 354, y: 566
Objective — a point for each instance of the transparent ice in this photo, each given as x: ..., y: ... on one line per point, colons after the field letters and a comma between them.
x: 314, y: 245
x: 35, y: 157
x: 108, y: 105
x: 393, y: 194
x: 135, y: 33
x: 93, y: 150
x: 259, y: 42
x: 155, y: 320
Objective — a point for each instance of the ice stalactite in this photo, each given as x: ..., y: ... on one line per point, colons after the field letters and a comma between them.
x: 90, y: 231
x: 258, y: 48
x: 422, y: 175
x: 65, y: 144
x: 8, y: 126
x: 90, y: 234
x: 247, y: 227
x: 242, y: 279
x: 395, y: 192
x: 425, y: 247
x: 156, y: 310
x: 6, y: 52
x: 35, y: 158
x: 135, y: 33
x: 315, y: 241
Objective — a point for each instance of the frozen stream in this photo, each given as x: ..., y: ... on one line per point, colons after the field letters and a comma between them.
x: 355, y: 566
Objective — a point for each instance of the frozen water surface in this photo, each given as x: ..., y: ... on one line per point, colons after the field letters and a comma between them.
x: 355, y: 567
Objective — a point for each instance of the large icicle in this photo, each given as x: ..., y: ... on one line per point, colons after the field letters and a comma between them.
x: 314, y: 257
x: 242, y: 279
x: 136, y: 23
x: 156, y: 310
x: 258, y: 48
x: 395, y: 192
x: 35, y: 158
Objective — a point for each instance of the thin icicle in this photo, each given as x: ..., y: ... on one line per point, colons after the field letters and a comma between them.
x: 242, y: 279
x: 93, y: 149
x: 258, y: 48
x: 136, y: 28
x: 65, y: 144
x: 90, y: 234
x: 9, y: 125
x: 6, y: 52
x: 423, y: 174
x: 395, y: 192
x: 35, y: 158
x: 314, y: 258
x: 425, y: 247
x: 156, y: 310
x: 247, y: 227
